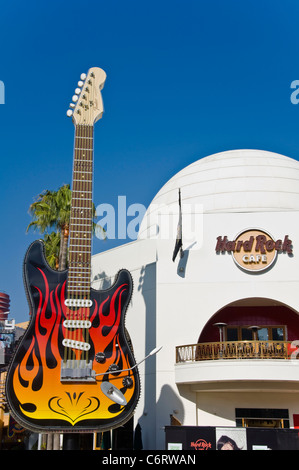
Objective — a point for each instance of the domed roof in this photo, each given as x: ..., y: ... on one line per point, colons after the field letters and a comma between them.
x: 232, y: 181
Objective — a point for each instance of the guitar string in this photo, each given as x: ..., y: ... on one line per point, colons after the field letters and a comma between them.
x: 71, y: 260
x: 77, y: 212
x: 70, y: 314
x: 81, y: 142
x: 79, y: 245
x: 76, y: 269
x: 90, y: 141
x: 89, y: 145
x: 68, y: 310
x: 84, y: 255
x: 85, y: 157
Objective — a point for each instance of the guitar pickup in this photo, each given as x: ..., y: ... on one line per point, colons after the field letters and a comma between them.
x: 72, y: 343
x: 77, y: 323
x: 78, y: 302
x: 74, y: 370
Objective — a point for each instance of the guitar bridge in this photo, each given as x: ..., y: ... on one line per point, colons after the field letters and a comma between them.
x: 74, y: 370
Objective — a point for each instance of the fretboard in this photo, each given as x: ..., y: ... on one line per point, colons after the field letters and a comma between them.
x: 81, y: 215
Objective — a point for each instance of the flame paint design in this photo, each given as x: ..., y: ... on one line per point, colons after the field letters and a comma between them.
x: 36, y: 395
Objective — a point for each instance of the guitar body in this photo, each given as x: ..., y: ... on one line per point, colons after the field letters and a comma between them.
x: 42, y: 397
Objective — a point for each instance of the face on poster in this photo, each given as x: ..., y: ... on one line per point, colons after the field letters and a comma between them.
x: 231, y: 439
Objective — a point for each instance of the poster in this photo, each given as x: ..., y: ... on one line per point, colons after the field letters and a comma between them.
x: 201, y: 438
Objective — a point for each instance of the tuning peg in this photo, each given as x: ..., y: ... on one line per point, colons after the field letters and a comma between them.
x: 80, y: 83
x: 83, y: 76
x: 75, y: 98
x: 78, y: 91
x: 72, y: 105
x: 69, y: 113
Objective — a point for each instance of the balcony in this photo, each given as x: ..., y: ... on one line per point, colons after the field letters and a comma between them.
x: 236, y: 350
x: 238, y: 365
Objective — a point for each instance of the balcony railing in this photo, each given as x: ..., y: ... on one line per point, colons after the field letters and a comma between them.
x: 236, y: 350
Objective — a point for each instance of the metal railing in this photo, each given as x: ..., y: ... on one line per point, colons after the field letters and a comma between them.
x: 2, y: 393
x: 235, y: 350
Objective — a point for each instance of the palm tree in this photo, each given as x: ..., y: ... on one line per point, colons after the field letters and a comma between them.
x: 52, y: 248
x: 62, y: 210
x: 52, y: 210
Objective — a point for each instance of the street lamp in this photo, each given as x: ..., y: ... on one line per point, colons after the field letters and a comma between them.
x: 254, y: 330
x: 221, y: 326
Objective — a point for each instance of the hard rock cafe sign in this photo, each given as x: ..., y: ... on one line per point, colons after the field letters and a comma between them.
x: 254, y: 250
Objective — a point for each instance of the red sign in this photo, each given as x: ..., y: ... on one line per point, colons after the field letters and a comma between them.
x: 201, y: 444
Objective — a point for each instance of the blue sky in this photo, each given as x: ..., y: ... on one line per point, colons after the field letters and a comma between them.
x: 185, y: 79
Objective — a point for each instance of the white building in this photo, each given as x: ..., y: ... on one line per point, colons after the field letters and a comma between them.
x: 250, y: 278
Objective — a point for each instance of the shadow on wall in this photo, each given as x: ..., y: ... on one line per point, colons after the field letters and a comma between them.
x: 169, y: 410
x: 106, y: 281
x: 170, y: 402
x: 147, y: 287
x: 183, y: 261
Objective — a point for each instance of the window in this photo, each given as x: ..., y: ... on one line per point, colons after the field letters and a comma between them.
x: 278, y: 333
x: 261, y: 417
x: 264, y: 333
x: 232, y: 333
x: 246, y: 334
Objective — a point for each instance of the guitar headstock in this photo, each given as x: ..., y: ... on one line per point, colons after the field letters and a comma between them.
x: 87, y: 106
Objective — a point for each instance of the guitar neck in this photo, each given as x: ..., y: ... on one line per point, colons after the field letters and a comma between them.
x: 81, y: 214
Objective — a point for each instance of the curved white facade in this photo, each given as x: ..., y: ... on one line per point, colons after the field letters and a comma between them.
x: 232, y: 181
x: 177, y: 303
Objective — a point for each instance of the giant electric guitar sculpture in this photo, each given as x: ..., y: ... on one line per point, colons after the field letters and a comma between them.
x: 74, y: 369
